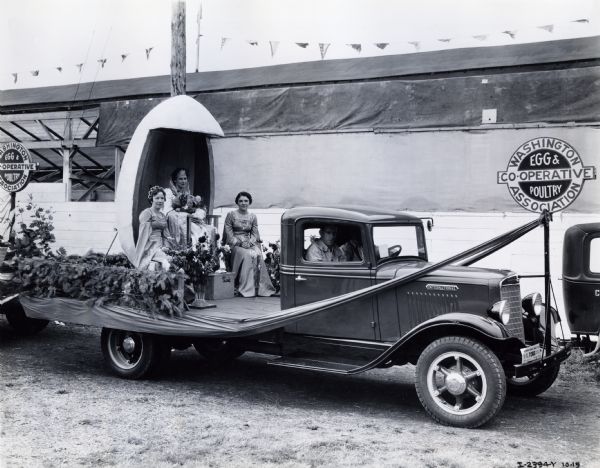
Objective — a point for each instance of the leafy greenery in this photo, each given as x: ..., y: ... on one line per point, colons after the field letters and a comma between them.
x: 272, y: 261
x: 85, y: 278
x: 34, y: 238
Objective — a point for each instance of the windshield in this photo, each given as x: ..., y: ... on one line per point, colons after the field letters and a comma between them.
x: 398, y: 242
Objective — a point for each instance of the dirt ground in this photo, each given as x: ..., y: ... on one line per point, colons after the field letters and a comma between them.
x: 60, y: 407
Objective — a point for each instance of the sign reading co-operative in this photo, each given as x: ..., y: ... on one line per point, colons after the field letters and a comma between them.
x: 545, y: 174
x: 15, y: 167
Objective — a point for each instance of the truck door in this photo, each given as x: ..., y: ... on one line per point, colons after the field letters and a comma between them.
x: 322, y: 279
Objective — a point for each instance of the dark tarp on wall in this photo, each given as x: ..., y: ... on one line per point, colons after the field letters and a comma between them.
x: 570, y: 95
x: 537, y: 54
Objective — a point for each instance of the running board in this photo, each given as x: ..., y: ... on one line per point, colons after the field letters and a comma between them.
x: 317, y: 365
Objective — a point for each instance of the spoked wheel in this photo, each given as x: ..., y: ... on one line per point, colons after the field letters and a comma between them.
x: 133, y: 355
x: 460, y: 382
x: 217, y: 351
x: 534, y: 384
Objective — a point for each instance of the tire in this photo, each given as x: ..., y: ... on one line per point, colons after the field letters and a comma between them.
x: 133, y: 355
x: 217, y: 351
x: 535, y: 384
x: 20, y: 323
x: 470, y: 377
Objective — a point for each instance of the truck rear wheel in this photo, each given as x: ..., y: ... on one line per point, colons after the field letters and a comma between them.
x: 19, y: 322
x: 460, y: 382
x: 133, y: 355
x: 217, y: 351
x: 535, y: 384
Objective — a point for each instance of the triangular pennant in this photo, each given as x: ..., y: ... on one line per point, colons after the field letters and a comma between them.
x: 446, y: 39
x: 304, y: 45
x: 480, y: 37
x: 323, y: 46
x: 224, y: 41
x: 382, y: 45
x: 356, y: 47
x: 35, y: 72
x: 59, y: 69
x: 416, y: 44
x: 123, y: 57
x: 252, y: 43
x: 512, y: 34
x: 274, y: 45
x: 102, y: 61
x: 15, y: 77
x: 148, y: 50
x: 79, y: 66
x: 582, y: 20
x: 547, y: 27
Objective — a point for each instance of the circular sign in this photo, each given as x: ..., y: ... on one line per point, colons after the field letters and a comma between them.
x: 15, y: 167
x: 545, y: 174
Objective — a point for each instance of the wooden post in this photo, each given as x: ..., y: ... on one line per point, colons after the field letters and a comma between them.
x: 198, y: 35
x: 68, y: 136
x: 118, y: 162
x: 178, y: 48
x: 67, y: 173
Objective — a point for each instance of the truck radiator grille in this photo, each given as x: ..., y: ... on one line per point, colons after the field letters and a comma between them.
x: 511, y: 293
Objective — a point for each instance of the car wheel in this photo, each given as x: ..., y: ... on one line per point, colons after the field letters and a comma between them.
x: 217, y: 351
x: 534, y: 384
x: 133, y: 355
x: 460, y: 382
x: 19, y: 322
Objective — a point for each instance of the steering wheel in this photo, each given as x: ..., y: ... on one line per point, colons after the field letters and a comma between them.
x: 394, y: 250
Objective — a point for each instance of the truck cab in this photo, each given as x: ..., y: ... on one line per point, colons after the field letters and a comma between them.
x: 392, y: 245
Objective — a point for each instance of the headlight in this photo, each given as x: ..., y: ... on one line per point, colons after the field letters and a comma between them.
x: 499, y: 312
x: 532, y: 305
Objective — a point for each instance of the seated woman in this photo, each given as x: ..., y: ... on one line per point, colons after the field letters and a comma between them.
x: 241, y: 234
x: 181, y: 205
x: 153, y: 233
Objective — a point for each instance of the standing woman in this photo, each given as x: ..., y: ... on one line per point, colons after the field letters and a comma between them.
x: 241, y: 234
x: 181, y: 205
x: 153, y: 233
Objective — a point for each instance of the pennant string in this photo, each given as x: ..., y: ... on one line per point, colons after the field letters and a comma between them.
x: 323, y: 49
x: 274, y: 45
x: 381, y: 45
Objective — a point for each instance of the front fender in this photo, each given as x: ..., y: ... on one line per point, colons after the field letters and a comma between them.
x: 409, y: 347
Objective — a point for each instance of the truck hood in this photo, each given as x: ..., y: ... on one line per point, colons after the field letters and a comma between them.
x: 455, y: 274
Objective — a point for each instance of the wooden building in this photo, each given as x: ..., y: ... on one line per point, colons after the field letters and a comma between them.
x: 426, y: 133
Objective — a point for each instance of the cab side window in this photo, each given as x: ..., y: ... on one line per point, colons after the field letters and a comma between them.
x: 332, y: 243
x: 595, y: 255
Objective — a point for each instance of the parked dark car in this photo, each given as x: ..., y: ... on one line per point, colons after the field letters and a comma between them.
x: 581, y: 280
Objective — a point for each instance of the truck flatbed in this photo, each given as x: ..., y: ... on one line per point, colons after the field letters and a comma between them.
x: 232, y: 317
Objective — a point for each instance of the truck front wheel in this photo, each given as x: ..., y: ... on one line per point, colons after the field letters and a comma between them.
x: 460, y: 382
x: 535, y: 384
x: 133, y: 355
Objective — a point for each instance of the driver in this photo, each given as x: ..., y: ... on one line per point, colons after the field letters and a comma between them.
x: 324, y: 249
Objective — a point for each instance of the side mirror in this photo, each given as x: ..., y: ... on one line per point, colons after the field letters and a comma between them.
x: 429, y: 223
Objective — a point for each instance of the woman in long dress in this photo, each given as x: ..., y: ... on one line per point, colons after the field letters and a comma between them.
x: 241, y: 234
x: 181, y: 205
x: 153, y: 233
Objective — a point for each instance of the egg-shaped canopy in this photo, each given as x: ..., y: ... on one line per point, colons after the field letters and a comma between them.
x: 182, y: 114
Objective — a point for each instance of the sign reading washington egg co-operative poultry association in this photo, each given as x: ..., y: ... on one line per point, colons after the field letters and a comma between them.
x: 545, y: 174
x: 15, y: 166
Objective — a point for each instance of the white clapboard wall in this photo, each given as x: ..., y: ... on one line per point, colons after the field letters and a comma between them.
x: 90, y: 226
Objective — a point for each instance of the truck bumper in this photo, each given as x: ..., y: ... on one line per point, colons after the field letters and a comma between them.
x: 524, y: 370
